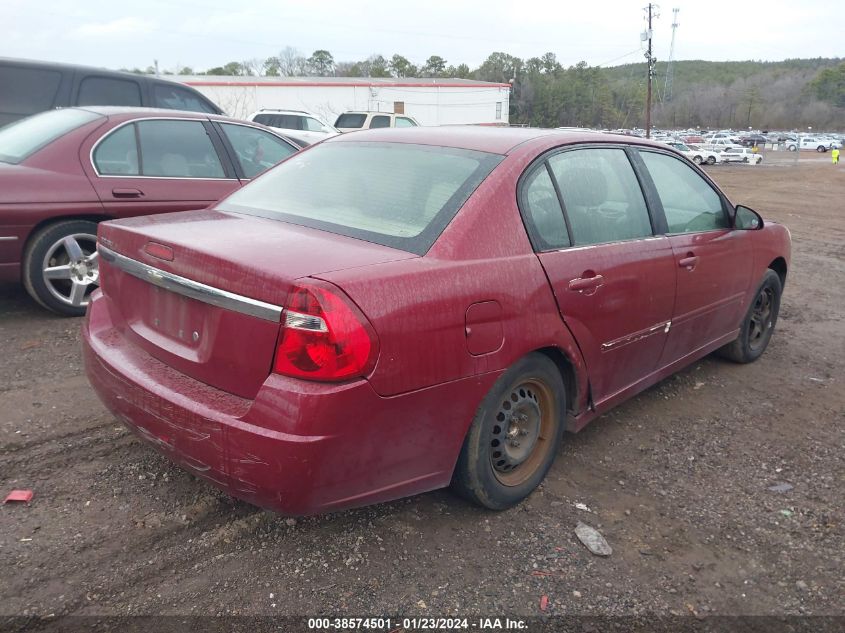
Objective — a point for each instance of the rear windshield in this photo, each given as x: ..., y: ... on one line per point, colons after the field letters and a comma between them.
x: 396, y: 195
x: 22, y: 138
x: 350, y: 119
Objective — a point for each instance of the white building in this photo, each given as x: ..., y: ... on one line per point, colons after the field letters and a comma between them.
x: 430, y: 101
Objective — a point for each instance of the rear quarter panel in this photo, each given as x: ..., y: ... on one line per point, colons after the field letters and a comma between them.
x: 418, y: 307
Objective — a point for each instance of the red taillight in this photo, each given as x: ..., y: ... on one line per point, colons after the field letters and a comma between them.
x: 324, y: 336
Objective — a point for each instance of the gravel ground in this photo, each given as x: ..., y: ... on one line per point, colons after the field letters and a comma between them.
x: 676, y: 479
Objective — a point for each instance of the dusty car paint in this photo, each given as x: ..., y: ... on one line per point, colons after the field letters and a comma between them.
x: 301, y: 447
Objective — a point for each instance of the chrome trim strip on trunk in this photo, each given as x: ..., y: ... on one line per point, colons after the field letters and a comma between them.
x: 193, y: 289
x: 8, y: 238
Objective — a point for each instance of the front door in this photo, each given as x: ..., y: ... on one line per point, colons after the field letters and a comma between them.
x: 713, y: 262
x: 613, y: 279
x: 159, y: 166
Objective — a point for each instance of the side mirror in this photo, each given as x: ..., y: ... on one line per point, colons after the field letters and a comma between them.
x: 746, y: 219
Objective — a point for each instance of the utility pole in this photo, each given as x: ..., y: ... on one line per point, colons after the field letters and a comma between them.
x: 651, y: 61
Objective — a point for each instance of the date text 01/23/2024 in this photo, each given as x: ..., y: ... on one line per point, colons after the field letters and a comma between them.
x: 414, y: 624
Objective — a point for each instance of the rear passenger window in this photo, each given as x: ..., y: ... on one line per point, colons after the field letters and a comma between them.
x: 689, y: 202
x: 380, y: 121
x: 542, y: 212
x: 404, y: 122
x: 27, y: 91
x: 176, y: 98
x: 107, y: 91
x: 117, y: 154
x: 178, y: 149
x: 601, y: 195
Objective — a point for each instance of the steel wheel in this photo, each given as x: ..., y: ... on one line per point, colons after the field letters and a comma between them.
x: 521, y: 433
x: 761, y: 318
x: 514, y: 436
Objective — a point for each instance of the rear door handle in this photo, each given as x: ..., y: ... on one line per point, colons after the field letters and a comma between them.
x: 688, y: 262
x: 127, y: 193
x: 585, y: 283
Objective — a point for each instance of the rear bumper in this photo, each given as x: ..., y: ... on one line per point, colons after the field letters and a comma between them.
x: 298, y: 447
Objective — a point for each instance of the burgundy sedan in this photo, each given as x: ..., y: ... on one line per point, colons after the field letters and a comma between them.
x: 395, y: 311
x: 63, y: 171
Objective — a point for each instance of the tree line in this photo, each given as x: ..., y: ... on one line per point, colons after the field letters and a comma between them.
x: 790, y: 94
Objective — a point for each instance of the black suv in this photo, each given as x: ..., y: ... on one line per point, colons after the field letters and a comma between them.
x: 28, y: 87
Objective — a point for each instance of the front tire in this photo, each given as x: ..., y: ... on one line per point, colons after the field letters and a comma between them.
x: 697, y: 160
x: 515, y: 435
x: 759, y: 322
x: 821, y: 149
x: 60, y: 266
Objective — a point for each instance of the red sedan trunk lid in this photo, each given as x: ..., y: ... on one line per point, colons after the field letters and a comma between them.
x: 222, y: 343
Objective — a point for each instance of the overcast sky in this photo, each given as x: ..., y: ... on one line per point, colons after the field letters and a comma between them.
x: 207, y: 33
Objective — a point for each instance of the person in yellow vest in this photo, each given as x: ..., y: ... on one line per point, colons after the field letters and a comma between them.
x: 834, y: 154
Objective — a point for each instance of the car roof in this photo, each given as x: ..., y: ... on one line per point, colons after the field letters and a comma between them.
x: 495, y: 140
x: 129, y: 112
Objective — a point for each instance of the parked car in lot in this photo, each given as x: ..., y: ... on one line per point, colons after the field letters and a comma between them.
x: 393, y: 311
x: 741, y: 155
x: 753, y: 139
x: 818, y: 143
x: 351, y: 121
x: 696, y: 154
x: 303, y: 127
x: 63, y: 171
x: 40, y: 86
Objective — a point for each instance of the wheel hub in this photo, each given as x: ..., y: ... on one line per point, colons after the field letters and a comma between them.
x: 516, y: 430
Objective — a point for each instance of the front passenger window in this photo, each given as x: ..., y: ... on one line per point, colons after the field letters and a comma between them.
x: 691, y: 205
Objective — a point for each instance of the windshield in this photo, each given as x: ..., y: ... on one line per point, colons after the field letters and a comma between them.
x: 23, y: 138
x: 397, y: 195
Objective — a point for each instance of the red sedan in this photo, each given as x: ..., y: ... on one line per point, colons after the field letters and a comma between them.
x: 63, y: 171
x: 395, y: 311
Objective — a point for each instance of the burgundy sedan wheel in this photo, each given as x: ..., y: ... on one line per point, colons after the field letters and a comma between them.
x: 523, y: 432
x: 515, y: 435
x: 61, y: 267
x: 759, y: 323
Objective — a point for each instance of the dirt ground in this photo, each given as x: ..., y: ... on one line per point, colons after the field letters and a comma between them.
x: 676, y: 479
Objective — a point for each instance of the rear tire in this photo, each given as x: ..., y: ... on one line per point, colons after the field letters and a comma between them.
x: 711, y: 160
x: 759, y: 322
x: 821, y: 149
x: 60, y: 268
x: 514, y: 436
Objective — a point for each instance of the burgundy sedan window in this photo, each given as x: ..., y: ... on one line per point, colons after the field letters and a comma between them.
x: 177, y: 149
x: 256, y: 150
x: 117, y: 154
x: 397, y: 195
x: 690, y: 204
x: 22, y: 138
x: 601, y: 195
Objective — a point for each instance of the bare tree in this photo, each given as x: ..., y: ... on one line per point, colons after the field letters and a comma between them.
x: 292, y: 63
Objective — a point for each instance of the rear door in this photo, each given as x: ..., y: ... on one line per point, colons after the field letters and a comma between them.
x: 613, y: 279
x: 159, y: 166
x: 713, y: 262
